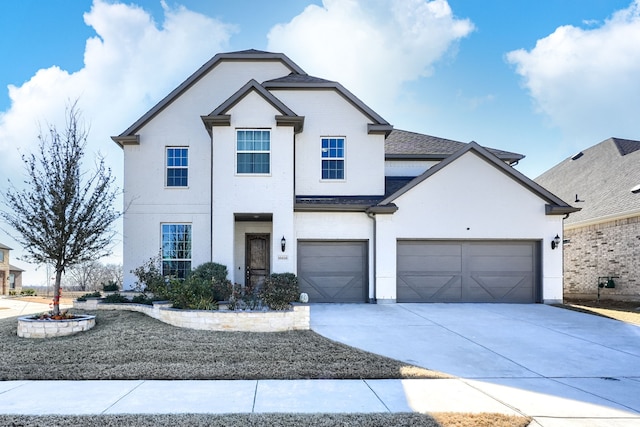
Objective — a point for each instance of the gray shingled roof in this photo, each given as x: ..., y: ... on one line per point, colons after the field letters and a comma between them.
x: 602, y: 177
x: 299, y: 78
x: 404, y: 144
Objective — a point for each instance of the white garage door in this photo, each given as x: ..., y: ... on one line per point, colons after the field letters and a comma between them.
x: 467, y: 271
x: 333, y: 271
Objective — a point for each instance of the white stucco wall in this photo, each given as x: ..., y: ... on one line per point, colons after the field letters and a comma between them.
x: 469, y: 199
x: 147, y: 201
x: 328, y: 114
x: 244, y: 194
x: 407, y: 167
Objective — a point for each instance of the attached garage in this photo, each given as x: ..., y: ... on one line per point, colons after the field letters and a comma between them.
x: 468, y: 271
x: 333, y: 271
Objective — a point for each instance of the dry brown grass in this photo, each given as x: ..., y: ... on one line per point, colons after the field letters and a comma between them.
x: 127, y: 345
x: 267, y: 420
x: 625, y: 311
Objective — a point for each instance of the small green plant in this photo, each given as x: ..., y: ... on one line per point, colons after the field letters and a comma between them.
x: 28, y: 292
x: 13, y: 293
x: 84, y: 297
x: 142, y: 299
x: 110, y: 286
x: 116, y: 298
x: 280, y: 290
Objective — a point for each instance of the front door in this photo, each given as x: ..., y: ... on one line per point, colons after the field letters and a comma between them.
x: 257, y: 259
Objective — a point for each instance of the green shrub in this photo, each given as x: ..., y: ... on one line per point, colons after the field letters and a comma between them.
x: 150, y: 278
x: 84, y: 297
x: 28, y: 292
x: 279, y: 290
x: 142, y: 299
x: 116, y: 298
x: 216, y: 275
x: 191, y: 293
x: 13, y: 293
x: 110, y: 286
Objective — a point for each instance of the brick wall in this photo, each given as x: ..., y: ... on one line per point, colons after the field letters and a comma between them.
x: 606, y: 249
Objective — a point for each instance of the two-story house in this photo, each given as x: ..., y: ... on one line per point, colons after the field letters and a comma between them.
x: 256, y: 165
x: 10, y: 276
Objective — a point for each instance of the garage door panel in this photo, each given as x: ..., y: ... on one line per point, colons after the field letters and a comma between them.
x: 491, y: 271
x: 414, y: 287
x: 333, y: 271
x: 432, y: 263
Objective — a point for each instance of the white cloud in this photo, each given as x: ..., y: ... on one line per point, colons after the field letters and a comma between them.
x: 586, y: 80
x: 371, y: 46
x: 129, y: 65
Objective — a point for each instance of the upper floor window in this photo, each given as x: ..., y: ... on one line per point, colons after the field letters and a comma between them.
x: 177, y: 167
x: 253, y: 152
x: 176, y: 250
x: 1, y: 255
x: 332, y: 158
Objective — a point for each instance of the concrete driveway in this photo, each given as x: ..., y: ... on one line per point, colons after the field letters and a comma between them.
x: 559, y: 366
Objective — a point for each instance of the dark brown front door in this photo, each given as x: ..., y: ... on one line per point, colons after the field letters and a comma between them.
x: 257, y: 258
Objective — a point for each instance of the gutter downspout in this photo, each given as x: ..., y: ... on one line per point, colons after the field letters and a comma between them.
x: 375, y: 261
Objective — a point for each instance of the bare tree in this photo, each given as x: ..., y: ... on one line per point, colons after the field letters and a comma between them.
x: 63, y: 216
x: 84, y: 276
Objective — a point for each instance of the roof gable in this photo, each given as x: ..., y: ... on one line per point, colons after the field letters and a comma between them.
x: 555, y: 206
x: 128, y: 135
x: 219, y: 116
x: 305, y: 82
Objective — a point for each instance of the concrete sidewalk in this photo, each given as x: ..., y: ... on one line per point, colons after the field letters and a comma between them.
x: 13, y: 307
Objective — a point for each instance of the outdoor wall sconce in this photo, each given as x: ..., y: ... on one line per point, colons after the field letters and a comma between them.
x: 555, y: 242
x: 283, y: 243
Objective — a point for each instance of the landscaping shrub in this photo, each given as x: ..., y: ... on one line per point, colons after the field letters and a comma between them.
x: 244, y: 297
x: 150, y: 278
x: 28, y: 292
x: 142, y: 299
x: 191, y: 293
x: 110, y: 286
x: 84, y: 297
x: 116, y: 298
x: 216, y: 275
x: 279, y: 290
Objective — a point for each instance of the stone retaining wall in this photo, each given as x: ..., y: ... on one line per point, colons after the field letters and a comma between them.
x: 34, y: 328
x: 215, y: 320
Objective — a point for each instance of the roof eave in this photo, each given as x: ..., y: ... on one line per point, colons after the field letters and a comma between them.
x: 550, y: 209
x: 123, y: 140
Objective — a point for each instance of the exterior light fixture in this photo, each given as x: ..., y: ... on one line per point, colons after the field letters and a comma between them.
x: 283, y: 243
x: 555, y: 242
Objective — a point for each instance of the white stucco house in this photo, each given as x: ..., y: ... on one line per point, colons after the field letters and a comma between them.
x: 256, y: 165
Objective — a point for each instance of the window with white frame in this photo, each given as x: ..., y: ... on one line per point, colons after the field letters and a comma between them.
x: 176, y: 250
x: 253, y: 151
x: 332, y: 158
x: 177, y: 167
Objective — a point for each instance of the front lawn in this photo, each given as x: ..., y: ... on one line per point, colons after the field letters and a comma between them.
x: 127, y: 345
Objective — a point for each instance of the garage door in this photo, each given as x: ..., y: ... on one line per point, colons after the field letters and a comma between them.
x: 467, y: 271
x: 333, y: 271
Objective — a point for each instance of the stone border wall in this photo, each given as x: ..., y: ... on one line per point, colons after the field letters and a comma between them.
x: 35, y: 328
x: 214, y: 320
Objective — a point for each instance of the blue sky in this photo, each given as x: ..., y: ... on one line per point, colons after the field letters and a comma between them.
x: 544, y: 78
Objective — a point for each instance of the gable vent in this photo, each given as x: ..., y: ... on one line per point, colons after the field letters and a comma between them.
x: 577, y: 156
x: 636, y: 189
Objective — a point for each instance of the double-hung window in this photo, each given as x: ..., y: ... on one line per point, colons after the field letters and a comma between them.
x: 332, y: 158
x: 177, y: 167
x: 253, y: 152
x: 176, y: 250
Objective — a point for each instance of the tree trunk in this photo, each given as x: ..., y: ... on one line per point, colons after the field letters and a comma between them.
x: 56, y: 293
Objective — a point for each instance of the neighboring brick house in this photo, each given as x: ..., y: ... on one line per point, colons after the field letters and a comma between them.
x: 603, y: 239
x: 10, y: 276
